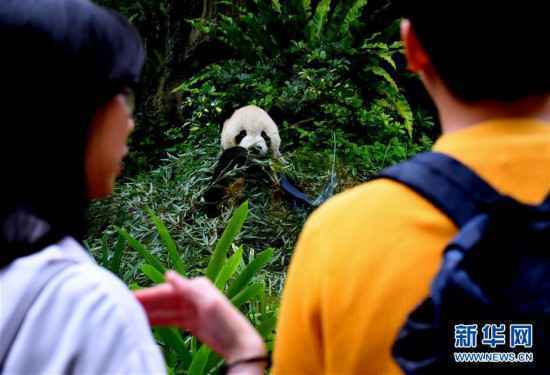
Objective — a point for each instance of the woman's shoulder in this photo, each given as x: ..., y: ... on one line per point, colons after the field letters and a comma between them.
x: 78, y: 286
x: 81, y: 305
x: 91, y: 286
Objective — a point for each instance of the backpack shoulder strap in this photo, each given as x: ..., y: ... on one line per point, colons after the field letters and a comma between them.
x: 17, y: 317
x: 447, y: 183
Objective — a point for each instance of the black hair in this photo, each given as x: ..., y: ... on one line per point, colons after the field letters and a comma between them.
x: 485, y: 50
x: 61, y: 60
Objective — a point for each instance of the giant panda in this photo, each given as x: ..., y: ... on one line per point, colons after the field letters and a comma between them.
x: 251, y: 128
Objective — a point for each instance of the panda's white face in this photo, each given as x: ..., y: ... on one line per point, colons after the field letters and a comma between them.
x: 259, y: 143
x: 252, y: 128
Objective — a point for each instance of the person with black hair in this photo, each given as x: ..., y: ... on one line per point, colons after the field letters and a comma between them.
x: 67, y: 71
x: 365, y: 260
x: 67, y: 68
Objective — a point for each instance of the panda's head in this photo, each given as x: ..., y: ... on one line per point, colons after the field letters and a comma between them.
x: 255, y: 143
x: 251, y: 128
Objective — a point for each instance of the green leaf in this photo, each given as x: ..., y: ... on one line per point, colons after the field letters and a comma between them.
x: 217, y: 259
x: 142, y: 250
x: 104, y: 261
x: 388, y: 58
x: 381, y: 72
x: 117, y: 256
x: 267, y: 326
x: 172, y: 339
x: 315, y: 27
x: 306, y: 5
x: 200, y: 359
x: 404, y: 109
x: 248, y: 294
x: 152, y: 273
x: 256, y: 264
x: 229, y: 268
x: 276, y: 6
x: 168, y: 242
x: 352, y: 18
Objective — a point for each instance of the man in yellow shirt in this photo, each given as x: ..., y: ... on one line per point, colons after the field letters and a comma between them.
x: 366, y: 259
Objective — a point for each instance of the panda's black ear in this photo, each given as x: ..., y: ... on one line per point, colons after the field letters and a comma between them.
x: 266, y: 139
x: 240, y: 137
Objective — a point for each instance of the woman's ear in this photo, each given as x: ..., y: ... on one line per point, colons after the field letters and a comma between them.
x: 417, y: 58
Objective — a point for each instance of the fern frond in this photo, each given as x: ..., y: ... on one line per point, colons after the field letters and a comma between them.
x: 317, y: 23
x: 352, y: 18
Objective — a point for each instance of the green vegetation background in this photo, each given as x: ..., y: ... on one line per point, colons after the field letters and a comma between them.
x: 332, y: 75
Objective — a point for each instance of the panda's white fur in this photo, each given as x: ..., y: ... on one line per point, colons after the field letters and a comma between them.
x: 253, y: 120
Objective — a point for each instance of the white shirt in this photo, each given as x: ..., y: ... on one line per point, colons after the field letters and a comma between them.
x: 85, y: 321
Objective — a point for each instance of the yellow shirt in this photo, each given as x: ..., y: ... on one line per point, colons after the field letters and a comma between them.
x: 366, y: 258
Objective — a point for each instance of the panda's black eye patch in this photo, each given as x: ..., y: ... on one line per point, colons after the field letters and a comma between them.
x: 266, y: 139
x: 240, y: 137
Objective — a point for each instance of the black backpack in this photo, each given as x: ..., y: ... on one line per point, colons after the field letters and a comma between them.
x: 491, y: 297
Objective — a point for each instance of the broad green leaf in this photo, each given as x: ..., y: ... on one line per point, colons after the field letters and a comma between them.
x: 142, y: 250
x: 229, y: 268
x: 248, y: 294
x: 171, y: 337
x: 256, y: 264
x: 200, y: 359
x: 152, y: 273
x: 218, y: 258
x: 168, y: 242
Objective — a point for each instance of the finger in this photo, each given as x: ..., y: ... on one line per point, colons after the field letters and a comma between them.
x: 192, y: 291
x: 181, y: 285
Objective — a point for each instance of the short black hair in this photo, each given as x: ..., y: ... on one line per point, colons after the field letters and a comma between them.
x: 485, y: 49
x: 61, y: 60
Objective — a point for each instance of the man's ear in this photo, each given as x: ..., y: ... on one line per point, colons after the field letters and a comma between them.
x: 417, y: 58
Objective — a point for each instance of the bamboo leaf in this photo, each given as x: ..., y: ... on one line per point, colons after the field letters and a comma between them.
x: 171, y: 338
x: 117, y: 256
x: 168, y: 242
x: 229, y: 268
x: 142, y: 250
x: 259, y: 261
x: 248, y: 294
x: 152, y: 273
x: 218, y: 258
